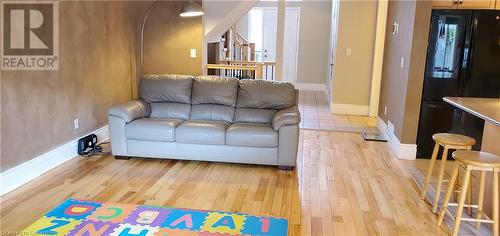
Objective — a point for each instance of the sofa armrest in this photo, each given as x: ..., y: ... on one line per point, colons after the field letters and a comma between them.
x: 130, y: 110
x: 287, y: 116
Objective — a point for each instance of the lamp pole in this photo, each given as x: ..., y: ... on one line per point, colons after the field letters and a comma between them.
x: 190, y: 9
x: 141, y: 69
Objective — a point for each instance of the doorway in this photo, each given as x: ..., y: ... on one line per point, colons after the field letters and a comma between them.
x: 262, y: 31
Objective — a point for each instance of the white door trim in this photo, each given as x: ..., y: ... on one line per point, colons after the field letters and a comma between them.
x: 378, y: 57
x: 298, y: 9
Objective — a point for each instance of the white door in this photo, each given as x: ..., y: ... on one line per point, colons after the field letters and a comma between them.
x: 269, y: 20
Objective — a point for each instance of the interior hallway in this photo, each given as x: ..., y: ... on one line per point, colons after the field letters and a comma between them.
x: 316, y: 114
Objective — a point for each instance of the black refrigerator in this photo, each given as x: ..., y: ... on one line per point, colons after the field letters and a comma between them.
x: 463, y: 60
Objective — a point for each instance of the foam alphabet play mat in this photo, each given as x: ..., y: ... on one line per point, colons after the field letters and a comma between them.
x: 90, y: 218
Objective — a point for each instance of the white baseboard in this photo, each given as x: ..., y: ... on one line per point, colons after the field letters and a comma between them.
x: 401, y: 150
x: 350, y: 109
x: 27, y: 171
x: 310, y: 86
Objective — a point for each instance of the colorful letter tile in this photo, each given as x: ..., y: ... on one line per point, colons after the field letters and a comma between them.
x: 134, y: 230
x: 51, y: 226
x: 93, y: 228
x: 146, y: 215
x: 219, y: 222
x: 263, y: 226
x: 112, y: 212
x: 185, y: 219
x: 74, y: 209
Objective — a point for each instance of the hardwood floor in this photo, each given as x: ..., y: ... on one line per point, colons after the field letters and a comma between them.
x: 341, y: 186
x: 316, y: 114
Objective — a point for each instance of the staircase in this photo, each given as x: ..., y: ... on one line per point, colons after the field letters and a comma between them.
x: 236, y: 47
x: 234, y: 56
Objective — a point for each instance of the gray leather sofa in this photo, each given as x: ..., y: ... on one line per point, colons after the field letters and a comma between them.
x: 208, y: 118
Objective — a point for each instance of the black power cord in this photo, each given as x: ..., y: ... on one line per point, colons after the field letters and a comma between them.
x: 96, y: 150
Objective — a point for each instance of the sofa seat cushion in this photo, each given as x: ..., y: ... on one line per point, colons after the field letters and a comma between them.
x: 152, y: 129
x: 201, y: 132
x: 252, y: 135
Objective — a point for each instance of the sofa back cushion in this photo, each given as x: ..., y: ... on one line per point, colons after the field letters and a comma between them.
x: 253, y: 115
x: 166, y: 88
x: 215, y: 90
x: 170, y: 110
x: 264, y: 94
x: 212, y: 112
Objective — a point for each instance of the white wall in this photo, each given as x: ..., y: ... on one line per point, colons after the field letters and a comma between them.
x: 215, y: 11
x: 242, y: 26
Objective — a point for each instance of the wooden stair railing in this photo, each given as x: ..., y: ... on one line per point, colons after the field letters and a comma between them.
x: 242, y: 48
x: 243, y: 69
x: 238, y: 71
x: 268, y: 67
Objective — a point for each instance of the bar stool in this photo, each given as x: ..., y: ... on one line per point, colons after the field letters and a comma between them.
x: 448, y: 141
x: 473, y: 160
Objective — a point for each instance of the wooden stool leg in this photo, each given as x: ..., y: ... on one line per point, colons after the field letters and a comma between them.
x: 456, y: 186
x: 469, y: 191
x: 469, y: 197
x: 429, y: 170
x: 480, y: 199
x: 461, y: 201
x: 495, y: 203
x: 454, y: 175
x: 440, y: 179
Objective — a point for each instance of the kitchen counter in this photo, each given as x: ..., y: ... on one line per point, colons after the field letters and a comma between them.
x: 487, y: 109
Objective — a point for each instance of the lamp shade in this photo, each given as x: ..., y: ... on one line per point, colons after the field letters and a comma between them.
x: 191, y: 8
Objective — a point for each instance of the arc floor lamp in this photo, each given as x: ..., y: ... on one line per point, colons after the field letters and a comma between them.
x: 190, y: 9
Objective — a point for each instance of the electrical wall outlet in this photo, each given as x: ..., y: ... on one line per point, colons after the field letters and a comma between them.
x: 76, y: 123
x: 385, y: 110
x: 348, y: 52
x: 402, y: 65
